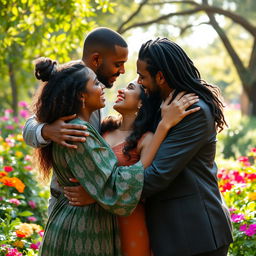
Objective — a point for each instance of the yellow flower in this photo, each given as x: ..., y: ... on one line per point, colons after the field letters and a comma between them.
x: 26, y: 229
x: 19, y: 154
x: 36, y: 227
x: 18, y: 244
x: 252, y: 196
x: 19, y: 137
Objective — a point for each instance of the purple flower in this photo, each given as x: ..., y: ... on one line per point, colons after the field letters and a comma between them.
x: 237, y: 217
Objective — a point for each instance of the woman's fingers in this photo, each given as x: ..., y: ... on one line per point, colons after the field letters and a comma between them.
x: 190, y: 111
x: 180, y: 95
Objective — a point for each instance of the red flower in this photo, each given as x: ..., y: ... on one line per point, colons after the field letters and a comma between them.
x: 8, y: 168
x: 20, y: 233
x: 251, y: 176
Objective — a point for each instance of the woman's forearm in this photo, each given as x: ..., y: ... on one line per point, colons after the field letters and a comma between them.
x: 148, y: 152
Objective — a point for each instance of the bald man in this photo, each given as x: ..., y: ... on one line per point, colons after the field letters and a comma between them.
x: 105, y: 52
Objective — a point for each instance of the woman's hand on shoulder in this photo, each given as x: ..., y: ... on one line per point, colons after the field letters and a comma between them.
x: 174, y: 111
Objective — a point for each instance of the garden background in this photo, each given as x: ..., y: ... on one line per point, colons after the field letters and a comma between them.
x: 219, y: 36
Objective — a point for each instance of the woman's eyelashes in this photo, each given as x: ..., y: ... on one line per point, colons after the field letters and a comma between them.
x: 130, y: 87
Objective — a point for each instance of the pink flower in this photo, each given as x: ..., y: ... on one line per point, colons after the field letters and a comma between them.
x: 41, y: 233
x: 15, y: 201
x: 8, y: 111
x: 35, y: 246
x: 253, y: 150
x: 24, y: 113
x: 28, y: 167
x: 237, y: 217
x: 9, y: 127
x: 28, y: 158
x: 243, y: 227
x: 250, y: 232
x: 16, y: 119
x: 8, y: 168
x: 5, y: 118
x: 232, y: 209
x: 243, y: 159
x: 13, y: 252
x: 1, y: 198
x: 32, y: 204
x: 32, y: 219
x: 23, y: 104
x: 10, y: 142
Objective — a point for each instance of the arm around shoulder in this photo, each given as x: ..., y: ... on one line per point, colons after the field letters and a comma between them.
x: 32, y: 133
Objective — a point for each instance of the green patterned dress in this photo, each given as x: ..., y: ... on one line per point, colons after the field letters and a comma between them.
x: 91, y: 230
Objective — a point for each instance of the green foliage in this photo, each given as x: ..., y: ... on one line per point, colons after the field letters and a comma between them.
x: 33, y: 28
x: 240, y: 136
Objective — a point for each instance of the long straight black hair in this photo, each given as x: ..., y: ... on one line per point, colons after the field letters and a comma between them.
x: 181, y: 74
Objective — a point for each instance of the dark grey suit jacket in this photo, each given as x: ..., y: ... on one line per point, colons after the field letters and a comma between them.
x: 184, y: 209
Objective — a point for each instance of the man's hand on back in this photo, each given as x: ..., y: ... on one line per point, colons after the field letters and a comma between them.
x: 61, y: 132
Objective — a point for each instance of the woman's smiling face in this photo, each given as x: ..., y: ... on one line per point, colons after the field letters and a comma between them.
x: 128, y: 99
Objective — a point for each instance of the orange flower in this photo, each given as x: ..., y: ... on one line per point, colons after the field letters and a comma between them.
x: 19, y: 233
x: 2, y: 174
x: 13, y: 182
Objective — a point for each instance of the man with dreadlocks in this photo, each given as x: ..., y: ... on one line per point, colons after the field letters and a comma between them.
x: 185, y: 212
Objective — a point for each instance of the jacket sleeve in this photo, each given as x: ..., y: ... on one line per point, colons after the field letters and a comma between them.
x: 180, y: 146
x: 31, y: 132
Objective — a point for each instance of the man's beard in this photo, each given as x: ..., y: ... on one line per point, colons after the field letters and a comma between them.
x: 103, y: 79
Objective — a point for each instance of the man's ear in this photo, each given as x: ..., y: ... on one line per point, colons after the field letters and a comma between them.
x: 96, y: 59
x: 160, y: 79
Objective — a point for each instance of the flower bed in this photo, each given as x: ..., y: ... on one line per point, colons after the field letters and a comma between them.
x: 237, y: 182
x: 23, y: 201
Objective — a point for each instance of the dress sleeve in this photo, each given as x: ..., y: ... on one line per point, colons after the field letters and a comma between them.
x: 94, y: 164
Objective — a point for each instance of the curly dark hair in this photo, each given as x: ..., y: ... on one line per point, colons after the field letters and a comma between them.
x: 181, y: 74
x: 144, y: 121
x: 58, y: 96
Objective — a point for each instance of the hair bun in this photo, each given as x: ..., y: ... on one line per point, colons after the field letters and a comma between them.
x: 45, y: 68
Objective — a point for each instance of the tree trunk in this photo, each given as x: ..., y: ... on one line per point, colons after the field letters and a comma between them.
x: 14, y: 89
x: 252, y: 98
x: 245, y: 104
